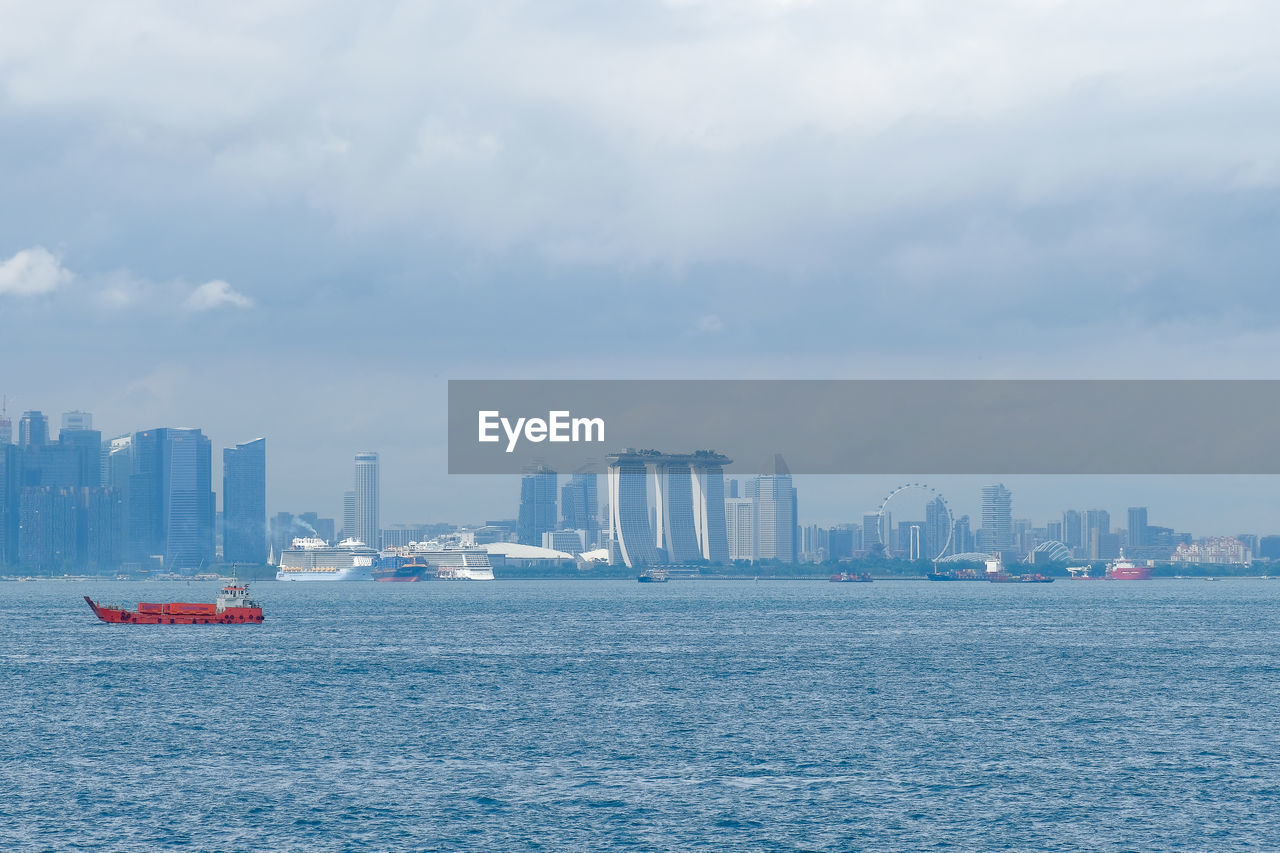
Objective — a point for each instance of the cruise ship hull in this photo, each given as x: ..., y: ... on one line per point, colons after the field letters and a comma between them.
x: 1129, y: 573
x: 449, y: 573
x: 351, y: 574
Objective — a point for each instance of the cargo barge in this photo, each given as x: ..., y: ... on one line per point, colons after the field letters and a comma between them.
x: 232, y: 607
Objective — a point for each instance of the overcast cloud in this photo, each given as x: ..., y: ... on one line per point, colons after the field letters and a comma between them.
x: 270, y: 207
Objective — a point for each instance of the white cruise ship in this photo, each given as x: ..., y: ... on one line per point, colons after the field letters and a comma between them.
x: 453, y: 561
x: 315, y: 560
x: 462, y: 564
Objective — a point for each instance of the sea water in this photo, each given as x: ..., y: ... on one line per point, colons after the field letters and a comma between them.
x: 584, y: 715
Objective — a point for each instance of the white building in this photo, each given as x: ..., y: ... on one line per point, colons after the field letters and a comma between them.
x: 366, y: 499
x: 740, y: 527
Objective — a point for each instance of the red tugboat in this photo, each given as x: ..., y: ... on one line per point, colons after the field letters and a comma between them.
x: 232, y: 607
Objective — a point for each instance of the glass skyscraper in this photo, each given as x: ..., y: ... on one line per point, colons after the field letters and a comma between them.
x: 537, y: 506
x: 188, y: 510
x: 244, y: 502
x: 33, y: 429
x: 169, y: 509
x: 580, y: 506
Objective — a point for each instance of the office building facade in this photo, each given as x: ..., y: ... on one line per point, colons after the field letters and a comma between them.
x: 996, y: 533
x: 366, y: 498
x: 244, y: 503
x: 537, y: 506
x: 580, y: 506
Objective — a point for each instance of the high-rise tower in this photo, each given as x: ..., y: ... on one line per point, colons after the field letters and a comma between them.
x: 244, y: 502
x: 1137, y: 526
x: 997, y: 518
x: 775, y: 515
x: 366, y: 494
x: 33, y: 429
x: 187, y: 489
x: 537, y: 506
x: 629, y: 530
x: 580, y: 506
x: 6, y: 425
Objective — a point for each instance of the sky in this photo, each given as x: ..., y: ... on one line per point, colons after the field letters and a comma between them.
x: 299, y: 220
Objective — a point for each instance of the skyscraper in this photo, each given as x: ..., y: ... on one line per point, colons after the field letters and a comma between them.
x: 962, y: 536
x: 33, y: 430
x: 348, y: 515
x: 997, y: 519
x: 84, y: 445
x: 937, y: 529
x: 1072, y: 529
x: 709, y: 507
x: 6, y: 426
x: 366, y: 498
x: 687, y: 519
x: 1096, y: 526
x: 10, y: 489
x: 244, y: 502
x: 164, y: 477
x: 629, y: 529
x: 872, y: 533
x: 580, y: 506
x: 537, y: 506
x: 775, y: 514
x: 677, y: 535
x: 47, y: 537
x: 1137, y: 526
x: 740, y: 528
x: 189, y: 502
x: 103, y: 517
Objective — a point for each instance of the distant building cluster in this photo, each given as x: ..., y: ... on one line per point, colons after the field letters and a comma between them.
x: 144, y: 501
x: 1080, y: 535
x: 141, y: 500
x: 1215, y: 550
x: 662, y: 508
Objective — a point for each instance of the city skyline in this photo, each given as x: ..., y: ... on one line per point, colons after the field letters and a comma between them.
x: 1206, y: 505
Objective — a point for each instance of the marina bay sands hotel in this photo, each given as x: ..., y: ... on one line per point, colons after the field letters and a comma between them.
x: 689, y: 514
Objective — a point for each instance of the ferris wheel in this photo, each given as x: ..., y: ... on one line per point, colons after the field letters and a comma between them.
x: 933, y: 495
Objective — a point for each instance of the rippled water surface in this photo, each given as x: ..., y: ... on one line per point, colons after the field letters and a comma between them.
x: 713, y: 715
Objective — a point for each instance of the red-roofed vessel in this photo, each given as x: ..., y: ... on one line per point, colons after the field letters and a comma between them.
x: 232, y: 607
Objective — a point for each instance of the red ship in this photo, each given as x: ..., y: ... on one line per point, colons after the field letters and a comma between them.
x: 1127, y: 570
x: 232, y: 607
x: 851, y: 577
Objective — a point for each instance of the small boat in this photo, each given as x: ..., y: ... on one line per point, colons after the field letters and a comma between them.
x: 849, y: 577
x: 232, y: 607
x: 653, y: 576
